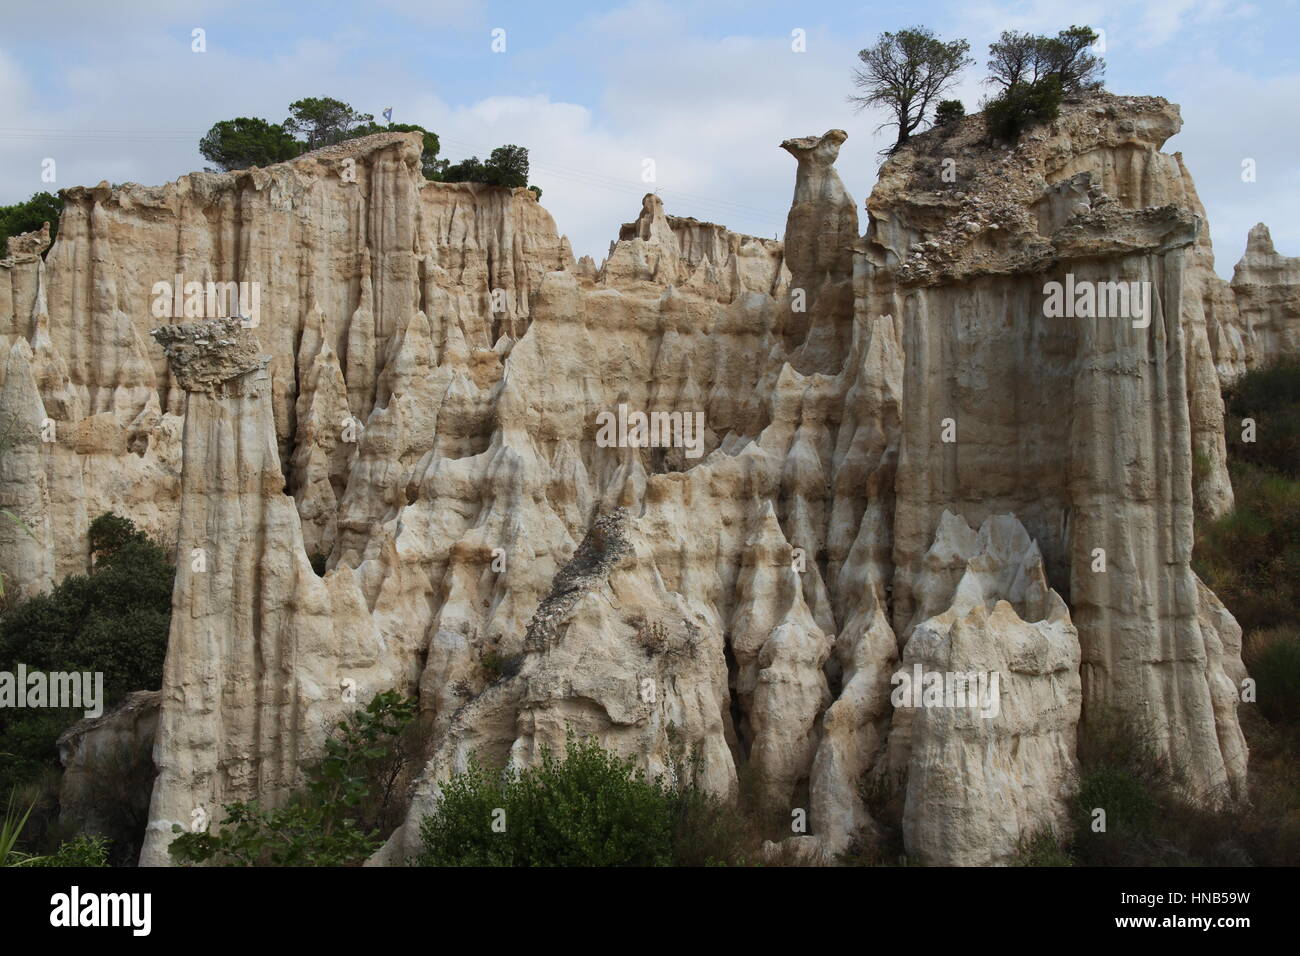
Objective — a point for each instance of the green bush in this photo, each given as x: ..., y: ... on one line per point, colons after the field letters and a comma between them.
x: 248, y: 141
x: 588, y: 807
x: 337, y: 820
x: 1250, y: 557
x: 78, y: 852
x: 506, y: 166
x: 949, y: 112
x: 1023, y: 105
x: 1042, y: 849
x: 114, y: 620
x: 1273, y: 659
x: 1271, y: 397
x: 26, y: 216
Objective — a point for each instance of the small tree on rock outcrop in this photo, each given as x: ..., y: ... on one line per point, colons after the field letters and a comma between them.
x: 1027, y: 58
x: 323, y: 121
x: 247, y: 141
x: 1035, y: 73
x: 907, y: 72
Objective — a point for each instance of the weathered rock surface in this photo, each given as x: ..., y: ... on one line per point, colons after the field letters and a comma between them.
x: 989, y: 760
x: 416, y: 410
x: 108, y: 770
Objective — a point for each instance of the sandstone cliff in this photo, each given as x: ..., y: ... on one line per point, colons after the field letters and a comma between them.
x: 417, y: 406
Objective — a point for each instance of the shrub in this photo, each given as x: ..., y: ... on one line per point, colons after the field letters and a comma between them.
x: 337, y: 820
x: 114, y: 620
x: 1042, y: 849
x: 26, y: 216
x: 949, y: 113
x: 1016, y: 58
x: 1250, y: 557
x: 247, y: 141
x: 1023, y: 105
x: 1271, y: 397
x: 506, y: 166
x: 79, y: 852
x: 588, y: 807
x: 1273, y: 659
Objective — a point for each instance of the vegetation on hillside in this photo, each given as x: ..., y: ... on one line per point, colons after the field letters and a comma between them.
x: 907, y: 73
x: 318, y: 121
x: 113, y: 621
x: 29, y: 215
x: 586, y: 807
x: 340, y: 817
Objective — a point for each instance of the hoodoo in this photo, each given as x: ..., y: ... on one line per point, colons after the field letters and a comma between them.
x: 904, y: 457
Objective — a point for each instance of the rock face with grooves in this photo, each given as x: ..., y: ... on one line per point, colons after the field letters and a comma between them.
x: 416, y: 407
x: 992, y: 761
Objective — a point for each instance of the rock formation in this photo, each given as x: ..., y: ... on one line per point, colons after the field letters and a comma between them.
x: 414, y: 396
x: 108, y: 770
x: 984, y: 733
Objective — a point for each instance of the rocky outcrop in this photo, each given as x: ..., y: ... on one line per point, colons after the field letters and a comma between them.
x: 108, y: 771
x: 417, y: 402
x: 263, y: 655
x: 988, y: 700
x: 1266, y: 291
x: 1080, y: 422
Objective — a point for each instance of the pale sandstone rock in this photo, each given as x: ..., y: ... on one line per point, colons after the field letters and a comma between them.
x: 474, y: 473
x: 984, y: 780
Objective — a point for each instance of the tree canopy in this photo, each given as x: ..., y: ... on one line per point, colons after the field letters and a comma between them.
x: 323, y: 121
x: 319, y: 121
x: 1016, y: 58
x: 248, y: 141
x: 506, y: 166
x: 26, y: 216
x: 907, y: 72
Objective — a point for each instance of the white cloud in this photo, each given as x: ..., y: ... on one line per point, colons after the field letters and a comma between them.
x: 710, y: 111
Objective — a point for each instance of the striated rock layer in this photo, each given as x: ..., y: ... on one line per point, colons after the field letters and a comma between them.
x: 414, y: 392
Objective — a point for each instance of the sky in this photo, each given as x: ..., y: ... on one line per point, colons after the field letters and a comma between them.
x: 706, y: 89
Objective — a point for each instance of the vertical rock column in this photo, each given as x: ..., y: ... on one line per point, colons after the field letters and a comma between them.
x: 258, y: 643
x: 820, y: 232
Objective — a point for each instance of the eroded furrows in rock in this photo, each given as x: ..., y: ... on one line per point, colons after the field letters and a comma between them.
x: 441, y: 447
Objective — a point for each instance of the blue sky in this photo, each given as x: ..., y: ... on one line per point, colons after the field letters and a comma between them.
x: 705, y: 89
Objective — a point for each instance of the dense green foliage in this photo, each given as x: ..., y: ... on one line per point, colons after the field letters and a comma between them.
x: 1273, y: 659
x: 1270, y: 397
x: 1023, y: 105
x: 323, y: 121
x: 507, y: 166
x: 26, y: 216
x: 248, y: 141
x: 948, y: 112
x: 1036, y: 73
x: 77, y: 852
x: 341, y: 816
x: 1250, y: 558
x: 80, y: 851
x: 318, y: 121
x: 587, y: 807
x: 114, y: 620
x: 1017, y: 59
